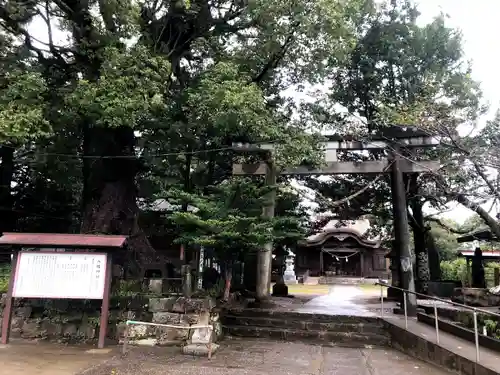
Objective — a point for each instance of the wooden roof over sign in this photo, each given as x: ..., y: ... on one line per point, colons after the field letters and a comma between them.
x: 62, y: 240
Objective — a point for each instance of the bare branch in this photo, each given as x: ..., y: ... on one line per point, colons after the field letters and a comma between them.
x: 443, y: 225
x: 276, y: 57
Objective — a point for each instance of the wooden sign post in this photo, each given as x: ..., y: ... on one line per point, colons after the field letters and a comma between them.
x: 59, y: 275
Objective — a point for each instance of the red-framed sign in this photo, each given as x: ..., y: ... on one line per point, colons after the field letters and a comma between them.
x: 58, y: 275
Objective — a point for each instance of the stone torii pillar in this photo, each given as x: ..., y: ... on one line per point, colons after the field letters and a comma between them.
x: 265, y: 255
x: 402, y: 232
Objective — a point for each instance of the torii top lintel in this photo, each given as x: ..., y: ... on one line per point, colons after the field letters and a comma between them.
x: 403, y: 136
x: 396, y: 135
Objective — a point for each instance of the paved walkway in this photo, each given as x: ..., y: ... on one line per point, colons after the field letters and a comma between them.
x: 260, y: 357
x: 345, y: 300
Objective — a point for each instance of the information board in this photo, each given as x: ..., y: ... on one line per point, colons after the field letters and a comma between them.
x: 60, y: 275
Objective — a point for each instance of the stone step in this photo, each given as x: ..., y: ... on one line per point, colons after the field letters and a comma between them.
x: 304, y: 317
x: 334, y: 325
x: 336, y: 280
x: 328, y: 338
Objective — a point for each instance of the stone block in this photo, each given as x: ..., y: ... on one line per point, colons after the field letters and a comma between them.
x: 162, y: 304
x: 23, y: 312
x: 50, y: 329
x: 174, y: 318
x: 17, y: 322
x: 167, y: 318
x: 475, y: 297
x: 193, y: 305
x: 128, y: 303
x: 145, y: 342
x: 200, y: 336
x: 69, y: 330
x: 218, y: 333
x: 156, y: 286
x: 120, y: 331
x: 30, y: 330
x: 139, y: 331
x: 199, y: 349
x: 88, y: 330
x: 171, y: 336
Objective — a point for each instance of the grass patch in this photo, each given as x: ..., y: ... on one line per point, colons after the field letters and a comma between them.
x: 308, y: 290
x: 369, y: 287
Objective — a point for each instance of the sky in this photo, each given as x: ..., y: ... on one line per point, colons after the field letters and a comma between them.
x: 478, y: 21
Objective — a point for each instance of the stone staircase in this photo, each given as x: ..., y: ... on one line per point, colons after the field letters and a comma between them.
x: 330, y: 330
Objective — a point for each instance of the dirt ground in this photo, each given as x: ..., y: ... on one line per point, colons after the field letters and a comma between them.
x: 22, y: 357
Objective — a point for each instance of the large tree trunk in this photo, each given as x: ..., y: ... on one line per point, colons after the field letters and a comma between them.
x: 418, y: 227
x: 421, y: 251
x: 110, y: 191
x: 434, y: 259
x: 7, y: 217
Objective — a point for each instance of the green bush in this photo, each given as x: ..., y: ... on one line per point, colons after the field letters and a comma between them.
x: 454, y: 270
x: 457, y: 270
x: 4, y: 278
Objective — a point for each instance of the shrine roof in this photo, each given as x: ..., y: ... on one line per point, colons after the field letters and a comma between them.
x: 486, y: 253
x: 356, y: 230
x: 60, y: 240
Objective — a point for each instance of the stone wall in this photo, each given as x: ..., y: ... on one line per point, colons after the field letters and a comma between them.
x: 78, y: 320
x: 174, y: 311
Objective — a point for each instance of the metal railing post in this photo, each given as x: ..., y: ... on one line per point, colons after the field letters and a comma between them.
x: 405, y: 304
x: 476, y: 335
x: 381, y: 300
x: 437, y: 322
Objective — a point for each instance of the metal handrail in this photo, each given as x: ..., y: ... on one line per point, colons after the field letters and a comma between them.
x: 475, y: 310
x: 426, y: 296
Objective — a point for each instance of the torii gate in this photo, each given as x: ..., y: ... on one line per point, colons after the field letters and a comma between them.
x: 393, y: 138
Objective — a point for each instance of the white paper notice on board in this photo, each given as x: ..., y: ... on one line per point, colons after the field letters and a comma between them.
x: 60, y: 275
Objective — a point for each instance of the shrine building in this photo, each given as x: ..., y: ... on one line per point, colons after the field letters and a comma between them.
x: 342, y: 249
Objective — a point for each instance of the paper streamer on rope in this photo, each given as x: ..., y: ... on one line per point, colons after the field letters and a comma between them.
x: 405, y: 264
